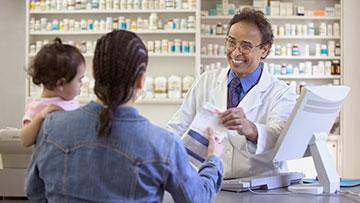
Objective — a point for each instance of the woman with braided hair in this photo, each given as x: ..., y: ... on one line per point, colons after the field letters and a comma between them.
x: 107, y: 152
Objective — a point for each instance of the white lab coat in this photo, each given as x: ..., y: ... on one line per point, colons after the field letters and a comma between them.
x: 268, y: 104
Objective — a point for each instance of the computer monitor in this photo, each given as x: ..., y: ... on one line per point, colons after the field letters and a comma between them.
x: 309, y: 125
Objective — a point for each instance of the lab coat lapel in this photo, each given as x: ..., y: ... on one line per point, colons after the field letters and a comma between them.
x: 218, y: 96
x: 253, y: 97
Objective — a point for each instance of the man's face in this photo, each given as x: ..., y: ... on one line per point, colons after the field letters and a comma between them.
x: 242, y: 47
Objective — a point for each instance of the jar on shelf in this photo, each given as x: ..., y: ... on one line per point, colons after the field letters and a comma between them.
x: 149, y: 88
x: 187, y: 82
x: 288, y: 50
x: 164, y: 46
x: 219, y: 30
x: 324, y: 50
x: 123, y: 5
x: 317, y: 50
x: 192, y: 47
x: 335, y: 67
x: 160, y: 87
x: 151, y: 4
x: 311, y: 29
x: 153, y: 21
x: 321, y: 67
x: 177, y: 45
x: 337, y: 49
x: 185, y: 46
x: 116, y: 4
x: 108, y: 5
x: 150, y: 46
x: 94, y: 4
x: 145, y: 4
x: 296, y: 50
x: 174, y: 87
x: 331, y: 48
x: 283, y: 69
x: 136, y: 4
x: 191, y: 22
x: 336, y: 29
x: 327, y: 68
x: 308, y: 68
x: 157, y: 47
x: 330, y: 30
x: 322, y: 29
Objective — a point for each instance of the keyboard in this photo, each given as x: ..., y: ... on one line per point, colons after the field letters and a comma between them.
x: 262, y: 182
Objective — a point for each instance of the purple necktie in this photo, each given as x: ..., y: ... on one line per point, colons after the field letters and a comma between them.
x: 234, y: 93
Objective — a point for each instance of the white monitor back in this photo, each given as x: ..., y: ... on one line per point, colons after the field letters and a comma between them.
x: 315, y: 112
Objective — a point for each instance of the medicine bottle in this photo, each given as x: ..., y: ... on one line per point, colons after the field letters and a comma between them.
x: 174, y: 87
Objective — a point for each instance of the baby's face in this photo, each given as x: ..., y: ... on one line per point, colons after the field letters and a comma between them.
x: 72, y: 89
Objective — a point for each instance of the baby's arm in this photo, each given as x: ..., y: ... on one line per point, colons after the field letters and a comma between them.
x: 31, y: 128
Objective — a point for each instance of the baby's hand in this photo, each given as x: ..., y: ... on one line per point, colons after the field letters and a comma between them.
x: 50, y: 108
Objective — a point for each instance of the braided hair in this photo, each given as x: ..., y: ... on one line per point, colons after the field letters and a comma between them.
x: 120, y: 57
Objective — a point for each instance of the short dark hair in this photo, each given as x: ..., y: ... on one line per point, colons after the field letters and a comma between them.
x: 120, y: 57
x: 53, y: 62
x: 258, y: 18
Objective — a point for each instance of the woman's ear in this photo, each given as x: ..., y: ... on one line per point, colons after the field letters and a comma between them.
x: 140, y: 81
x: 60, y: 84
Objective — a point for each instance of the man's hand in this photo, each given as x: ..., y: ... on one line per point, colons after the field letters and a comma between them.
x: 235, y: 119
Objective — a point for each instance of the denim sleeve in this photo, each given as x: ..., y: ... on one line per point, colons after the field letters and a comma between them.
x: 185, y: 184
x: 34, y: 185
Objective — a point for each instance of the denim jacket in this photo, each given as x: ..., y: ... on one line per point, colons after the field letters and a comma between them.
x: 137, y: 162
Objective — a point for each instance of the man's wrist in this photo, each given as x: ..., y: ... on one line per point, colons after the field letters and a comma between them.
x: 253, y: 137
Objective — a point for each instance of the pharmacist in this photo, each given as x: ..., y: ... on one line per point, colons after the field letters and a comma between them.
x: 255, y: 105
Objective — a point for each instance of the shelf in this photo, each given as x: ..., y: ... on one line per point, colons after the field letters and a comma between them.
x: 104, y: 32
x: 280, y: 57
x: 305, y: 57
x: 130, y: 11
x: 307, y: 37
x: 213, y: 36
x: 150, y: 55
x: 85, y: 100
x: 159, y: 101
x: 303, y: 18
x: 213, y: 57
x: 307, y: 77
x: 277, y: 37
x: 276, y: 18
x: 172, y: 55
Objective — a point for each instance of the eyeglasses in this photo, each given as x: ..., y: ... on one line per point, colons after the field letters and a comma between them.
x: 243, y: 47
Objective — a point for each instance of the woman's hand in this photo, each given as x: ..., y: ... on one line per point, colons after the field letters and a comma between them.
x: 214, y: 147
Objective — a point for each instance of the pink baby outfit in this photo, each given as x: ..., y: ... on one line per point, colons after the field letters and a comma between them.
x: 36, y: 105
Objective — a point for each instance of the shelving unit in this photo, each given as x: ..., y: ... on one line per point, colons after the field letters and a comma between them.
x: 160, y: 64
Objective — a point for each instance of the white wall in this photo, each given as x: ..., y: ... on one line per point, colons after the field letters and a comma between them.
x: 12, y: 58
x: 351, y: 46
